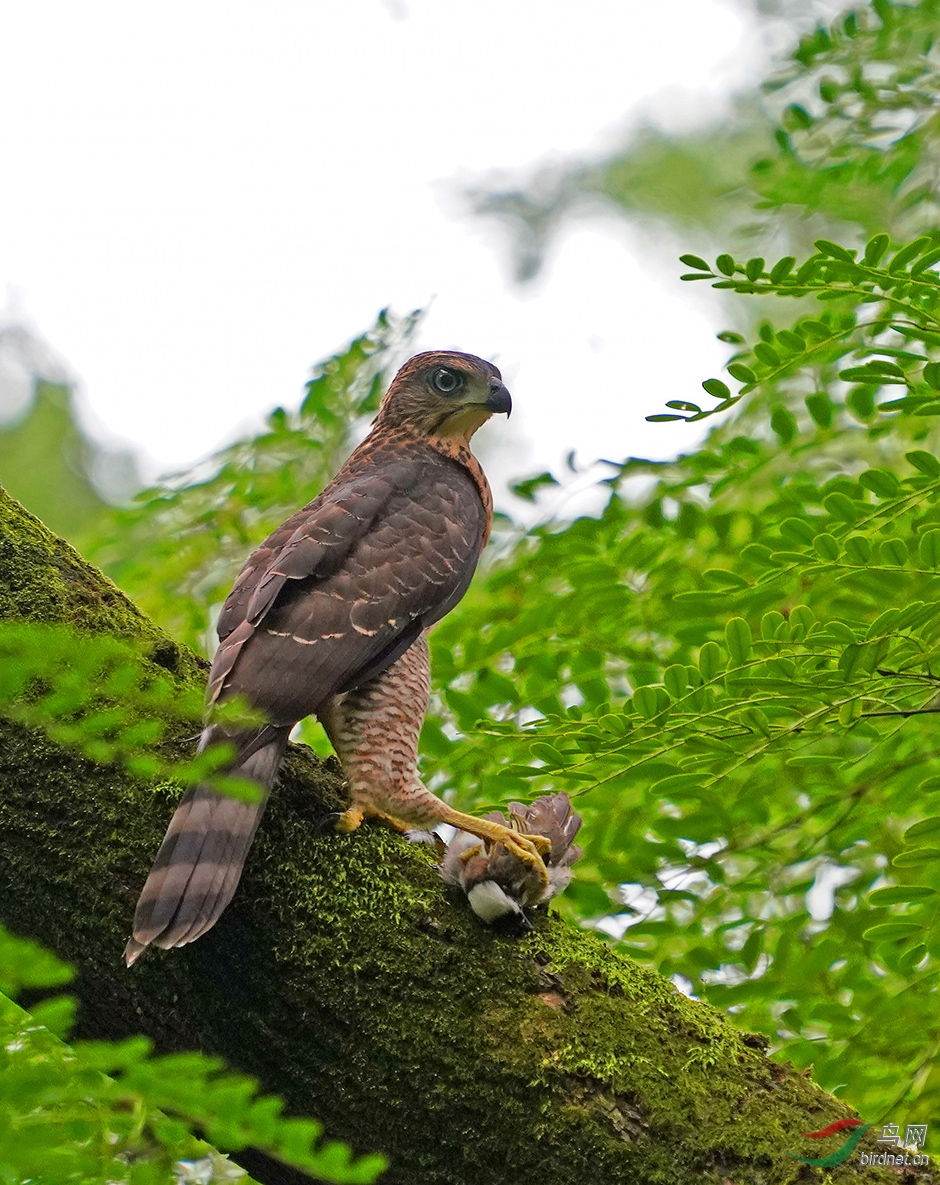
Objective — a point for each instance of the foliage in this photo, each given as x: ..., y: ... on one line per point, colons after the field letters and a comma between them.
x: 111, y: 1112
x: 178, y: 549
x: 842, y: 138
x: 857, y: 108
x: 886, y: 322
x: 102, y: 696
x: 47, y: 463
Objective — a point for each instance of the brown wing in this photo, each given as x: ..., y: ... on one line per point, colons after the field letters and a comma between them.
x: 344, y: 586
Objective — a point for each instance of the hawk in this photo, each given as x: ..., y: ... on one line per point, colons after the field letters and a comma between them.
x: 329, y: 618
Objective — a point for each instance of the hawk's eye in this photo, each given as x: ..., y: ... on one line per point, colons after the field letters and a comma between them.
x: 447, y: 381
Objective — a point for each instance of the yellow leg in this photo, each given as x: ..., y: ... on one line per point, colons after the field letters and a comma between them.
x: 394, y: 823
x: 374, y: 730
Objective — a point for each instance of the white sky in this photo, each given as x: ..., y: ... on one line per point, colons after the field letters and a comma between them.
x: 200, y: 198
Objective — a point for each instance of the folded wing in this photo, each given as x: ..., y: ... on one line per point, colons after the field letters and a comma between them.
x: 344, y: 586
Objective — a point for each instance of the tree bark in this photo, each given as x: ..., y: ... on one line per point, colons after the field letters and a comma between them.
x: 348, y: 981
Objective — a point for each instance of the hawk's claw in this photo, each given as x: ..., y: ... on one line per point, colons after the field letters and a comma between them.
x: 327, y: 822
x: 540, y: 843
x: 530, y: 850
x: 342, y: 821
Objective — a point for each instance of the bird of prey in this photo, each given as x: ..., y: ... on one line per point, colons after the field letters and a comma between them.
x: 328, y: 617
x: 498, y: 885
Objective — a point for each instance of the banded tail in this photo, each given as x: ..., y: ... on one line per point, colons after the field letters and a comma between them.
x: 200, y: 861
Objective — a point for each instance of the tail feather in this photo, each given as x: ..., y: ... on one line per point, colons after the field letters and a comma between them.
x: 200, y: 861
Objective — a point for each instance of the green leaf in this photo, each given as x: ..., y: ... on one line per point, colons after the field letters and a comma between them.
x: 694, y: 261
x: 709, y: 660
x: 790, y: 340
x: 840, y: 507
x: 819, y: 407
x: 858, y: 548
x: 912, y: 957
x: 929, y: 548
x: 797, y: 530
x: 880, y: 482
x: 770, y: 624
x: 826, y: 247
x: 783, y: 423
x: 796, y: 117
x: 724, y: 578
x: 893, y: 553
x: 725, y: 264
x: 857, y: 659
x: 676, y: 680
x: 717, y: 388
x: 901, y: 894
x: 850, y: 712
x: 650, y: 701
x: 678, y: 785
x: 827, y: 547
x: 925, y: 463
x: 906, y: 254
x: 929, y: 826
x: 913, y: 856
x: 782, y: 269
x: 925, y: 262
x: 738, y: 639
x: 529, y: 488
x: 755, y: 719
x: 891, y: 931
x: 877, y: 245
x: 767, y: 354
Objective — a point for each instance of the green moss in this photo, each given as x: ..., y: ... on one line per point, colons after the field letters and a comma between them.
x: 347, y: 979
x: 43, y: 579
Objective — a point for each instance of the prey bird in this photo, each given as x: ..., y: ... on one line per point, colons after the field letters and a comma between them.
x: 329, y: 618
x: 500, y: 886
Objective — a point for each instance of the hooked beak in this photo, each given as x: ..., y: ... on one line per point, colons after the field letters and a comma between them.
x: 500, y: 400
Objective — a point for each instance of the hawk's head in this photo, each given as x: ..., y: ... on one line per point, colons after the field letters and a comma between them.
x: 445, y: 394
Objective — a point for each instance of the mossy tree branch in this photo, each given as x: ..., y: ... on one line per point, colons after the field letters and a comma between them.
x: 346, y: 980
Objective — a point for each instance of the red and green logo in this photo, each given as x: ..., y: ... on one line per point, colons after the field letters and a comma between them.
x: 842, y: 1153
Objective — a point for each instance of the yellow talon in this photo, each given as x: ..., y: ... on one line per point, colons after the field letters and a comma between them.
x: 542, y: 845
x: 530, y: 850
x: 349, y: 820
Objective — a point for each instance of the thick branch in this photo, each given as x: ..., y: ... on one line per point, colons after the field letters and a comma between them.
x: 346, y: 980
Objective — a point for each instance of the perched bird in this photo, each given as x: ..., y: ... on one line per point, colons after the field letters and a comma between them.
x: 328, y: 618
x: 500, y: 886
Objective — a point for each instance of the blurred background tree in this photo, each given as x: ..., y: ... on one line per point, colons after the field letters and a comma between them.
x: 47, y: 459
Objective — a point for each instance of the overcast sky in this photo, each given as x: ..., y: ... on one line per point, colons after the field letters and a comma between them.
x: 201, y: 198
